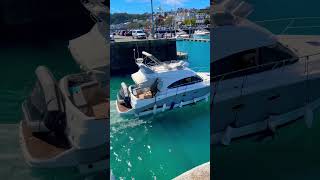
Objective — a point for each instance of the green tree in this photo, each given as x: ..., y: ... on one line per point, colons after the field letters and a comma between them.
x: 118, y: 18
x: 187, y: 22
x: 190, y: 22
x: 193, y: 22
x: 135, y: 25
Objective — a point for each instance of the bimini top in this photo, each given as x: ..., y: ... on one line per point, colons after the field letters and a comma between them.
x: 146, y: 80
x: 233, y: 33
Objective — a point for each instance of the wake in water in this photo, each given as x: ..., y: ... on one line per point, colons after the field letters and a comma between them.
x: 156, y: 143
x: 118, y: 123
x: 12, y: 164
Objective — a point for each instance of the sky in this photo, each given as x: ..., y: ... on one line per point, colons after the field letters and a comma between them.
x: 142, y: 6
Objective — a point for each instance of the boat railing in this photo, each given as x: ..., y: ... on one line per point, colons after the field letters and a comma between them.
x: 151, y: 61
x: 292, y: 23
x: 147, y: 59
x: 245, y: 73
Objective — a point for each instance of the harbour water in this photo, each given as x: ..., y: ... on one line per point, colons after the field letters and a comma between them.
x: 18, y: 63
x: 165, y: 145
x: 294, y: 152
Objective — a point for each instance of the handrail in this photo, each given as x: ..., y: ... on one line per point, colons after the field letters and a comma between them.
x: 264, y: 65
x: 292, y: 20
x: 285, y: 19
x: 155, y: 62
x: 244, y: 78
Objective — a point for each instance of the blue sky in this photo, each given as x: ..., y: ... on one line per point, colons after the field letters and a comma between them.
x: 142, y: 6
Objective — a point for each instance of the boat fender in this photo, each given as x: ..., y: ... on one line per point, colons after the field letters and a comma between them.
x: 227, y: 136
x: 155, y: 109
x: 164, y: 107
x: 125, y: 89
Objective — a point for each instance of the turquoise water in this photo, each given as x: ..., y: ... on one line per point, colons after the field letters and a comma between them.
x: 164, y: 145
x: 294, y: 152
x: 17, y: 77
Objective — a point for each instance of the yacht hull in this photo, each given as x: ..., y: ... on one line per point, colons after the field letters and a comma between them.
x: 253, y: 113
x: 172, y: 102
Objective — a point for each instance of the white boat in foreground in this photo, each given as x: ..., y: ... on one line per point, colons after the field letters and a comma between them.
x: 161, y: 86
x: 65, y: 124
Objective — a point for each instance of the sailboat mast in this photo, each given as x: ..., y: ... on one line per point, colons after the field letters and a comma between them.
x: 175, y: 20
x: 152, y: 30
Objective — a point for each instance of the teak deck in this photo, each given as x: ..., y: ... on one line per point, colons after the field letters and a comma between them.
x: 37, y: 147
x: 122, y: 108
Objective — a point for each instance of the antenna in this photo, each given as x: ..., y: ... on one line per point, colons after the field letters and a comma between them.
x: 137, y: 49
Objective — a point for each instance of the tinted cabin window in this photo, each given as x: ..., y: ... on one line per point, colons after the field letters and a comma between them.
x: 235, y: 62
x: 185, y: 81
x: 273, y: 54
x: 244, y: 62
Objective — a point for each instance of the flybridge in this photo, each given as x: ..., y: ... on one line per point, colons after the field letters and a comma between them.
x: 150, y: 64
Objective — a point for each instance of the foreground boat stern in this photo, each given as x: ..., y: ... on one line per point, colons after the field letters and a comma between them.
x: 123, y: 110
x: 40, y: 154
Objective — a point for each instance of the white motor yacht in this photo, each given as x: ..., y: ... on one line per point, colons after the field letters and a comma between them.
x: 201, y: 34
x: 180, y: 34
x: 161, y: 86
x: 260, y: 81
